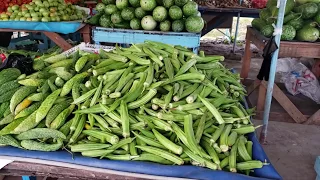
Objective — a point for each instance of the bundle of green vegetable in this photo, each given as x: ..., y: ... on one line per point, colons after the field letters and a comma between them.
x: 150, y: 102
x: 167, y: 15
x: 301, y: 21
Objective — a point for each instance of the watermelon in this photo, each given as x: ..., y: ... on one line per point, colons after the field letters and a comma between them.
x: 288, y: 33
x: 100, y: 7
x: 140, y: 13
x: 177, y: 25
x: 127, y: 13
x: 175, y: 12
x: 180, y: 3
x: 148, y: 5
x: 160, y: 14
x: 135, y: 24
x: 105, y: 21
x: 110, y: 9
x: 194, y: 24
x: 135, y: 3
x: 106, y: 2
x: 121, y: 4
x: 165, y: 25
x: 189, y: 9
x: 168, y: 3
x: 148, y: 23
x: 267, y: 30
x: 116, y: 18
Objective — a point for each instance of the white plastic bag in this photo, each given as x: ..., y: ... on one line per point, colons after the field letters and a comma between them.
x: 302, y: 80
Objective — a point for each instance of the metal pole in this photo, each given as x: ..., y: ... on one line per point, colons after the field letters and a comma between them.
x: 273, y: 67
x: 236, y: 33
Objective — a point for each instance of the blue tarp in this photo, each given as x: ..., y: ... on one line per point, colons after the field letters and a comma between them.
x: 58, y: 27
x: 185, y: 171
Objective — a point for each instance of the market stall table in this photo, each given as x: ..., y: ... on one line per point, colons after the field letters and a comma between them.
x: 223, y: 18
x: 85, y: 31
x: 287, y: 49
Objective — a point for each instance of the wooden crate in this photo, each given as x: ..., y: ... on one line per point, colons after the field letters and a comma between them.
x: 125, y: 36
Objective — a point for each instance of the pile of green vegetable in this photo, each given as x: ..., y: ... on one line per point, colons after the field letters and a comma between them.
x: 166, y: 15
x: 301, y: 21
x: 44, y: 11
x: 150, y: 102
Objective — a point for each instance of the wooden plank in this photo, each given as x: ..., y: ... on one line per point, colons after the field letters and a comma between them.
x: 314, y: 119
x: 287, y: 48
x: 246, y: 61
x: 261, y: 98
x: 58, y: 40
x: 32, y: 169
x: 86, y: 33
x: 285, y: 102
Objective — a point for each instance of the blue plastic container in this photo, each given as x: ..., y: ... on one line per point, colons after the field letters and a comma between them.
x: 124, y: 36
x: 57, y: 27
x: 185, y: 171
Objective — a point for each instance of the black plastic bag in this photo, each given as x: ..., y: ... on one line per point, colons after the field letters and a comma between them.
x: 268, y: 51
x: 19, y: 61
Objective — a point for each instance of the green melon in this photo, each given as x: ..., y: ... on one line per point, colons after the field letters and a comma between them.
x: 160, y: 14
x: 140, y: 13
x: 175, y: 12
x: 194, y: 24
x: 148, y: 23
x: 177, y: 26
x: 121, y: 4
x: 135, y: 24
x: 148, y: 5
x: 189, y: 9
x: 165, y: 25
x: 127, y: 13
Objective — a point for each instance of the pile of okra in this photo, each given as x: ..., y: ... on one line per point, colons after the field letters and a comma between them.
x: 149, y: 102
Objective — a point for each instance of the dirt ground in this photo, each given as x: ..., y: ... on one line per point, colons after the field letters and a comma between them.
x: 292, y: 149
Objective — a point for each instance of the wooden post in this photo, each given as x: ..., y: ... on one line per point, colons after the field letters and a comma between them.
x: 86, y: 33
x: 246, y: 60
x: 261, y: 98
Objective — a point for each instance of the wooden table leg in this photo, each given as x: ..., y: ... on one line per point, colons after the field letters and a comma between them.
x: 246, y: 60
x: 261, y: 98
x: 86, y: 33
x: 58, y: 40
x: 314, y: 119
x: 285, y: 102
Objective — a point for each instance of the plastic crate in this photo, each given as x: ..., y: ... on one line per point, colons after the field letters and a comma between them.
x: 124, y: 36
x: 153, y: 169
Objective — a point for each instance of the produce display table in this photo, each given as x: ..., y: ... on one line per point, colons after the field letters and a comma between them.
x: 84, y: 30
x: 124, y: 36
x: 223, y: 17
x: 287, y: 49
